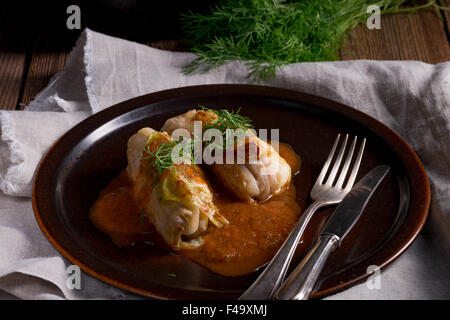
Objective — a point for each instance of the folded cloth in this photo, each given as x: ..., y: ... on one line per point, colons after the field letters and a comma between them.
x: 26, y: 136
x: 411, y: 97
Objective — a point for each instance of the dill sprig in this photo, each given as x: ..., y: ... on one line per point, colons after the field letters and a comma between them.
x: 147, y: 232
x: 161, y: 157
x: 268, y: 34
x: 228, y: 120
x: 141, y: 218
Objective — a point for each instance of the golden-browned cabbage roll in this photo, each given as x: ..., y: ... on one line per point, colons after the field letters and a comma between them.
x: 177, y: 198
x: 252, y: 181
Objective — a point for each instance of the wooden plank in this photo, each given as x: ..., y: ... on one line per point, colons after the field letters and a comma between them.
x: 12, y: 65
x: 15, y: 40
x: 171, y: 45
x: 420, y: 36
x: 49, y: 53
x: 446, y: 15
x: 49, y: 56
x: 44, y: 65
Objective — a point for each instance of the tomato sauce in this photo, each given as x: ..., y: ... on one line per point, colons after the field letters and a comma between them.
x: 116, y: 214
x: 255, y: 232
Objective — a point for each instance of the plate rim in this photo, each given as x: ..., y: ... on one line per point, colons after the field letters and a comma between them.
x: 416, y: 173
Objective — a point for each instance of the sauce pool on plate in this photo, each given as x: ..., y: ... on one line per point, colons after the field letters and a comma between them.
x: 255, y: 232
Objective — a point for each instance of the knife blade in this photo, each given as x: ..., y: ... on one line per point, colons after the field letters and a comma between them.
x: 348, y: 212
x: 301, y: 281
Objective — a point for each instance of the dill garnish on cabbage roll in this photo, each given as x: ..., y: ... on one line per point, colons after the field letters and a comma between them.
x: 252, y: 181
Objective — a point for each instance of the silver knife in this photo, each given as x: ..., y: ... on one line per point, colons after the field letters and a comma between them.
x: 300, y: 283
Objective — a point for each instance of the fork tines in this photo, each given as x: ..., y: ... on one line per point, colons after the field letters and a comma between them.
x: 330, y: 178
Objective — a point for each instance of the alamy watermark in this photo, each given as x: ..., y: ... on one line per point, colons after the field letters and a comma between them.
x: 374, y: 20
x: 74, y: 19
x: 73, y: 281
x: 374, y: 280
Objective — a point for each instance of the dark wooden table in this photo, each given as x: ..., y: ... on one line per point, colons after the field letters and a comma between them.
x: 30, y: 54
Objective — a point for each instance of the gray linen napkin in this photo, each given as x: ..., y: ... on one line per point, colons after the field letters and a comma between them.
x: 411, y: 97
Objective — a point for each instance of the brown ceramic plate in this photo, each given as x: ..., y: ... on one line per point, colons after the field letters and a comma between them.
x: 84, y: 160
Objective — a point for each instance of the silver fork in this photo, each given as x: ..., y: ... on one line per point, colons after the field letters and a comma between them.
x: 324, y: 193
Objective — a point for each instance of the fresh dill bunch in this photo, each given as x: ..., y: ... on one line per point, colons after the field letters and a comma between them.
x: 268, y: 34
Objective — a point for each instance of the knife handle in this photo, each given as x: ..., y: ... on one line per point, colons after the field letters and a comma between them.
x: 301, y: 281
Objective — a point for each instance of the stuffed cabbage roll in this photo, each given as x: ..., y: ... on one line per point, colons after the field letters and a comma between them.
x: 252, y: 181
x: 176, y: 199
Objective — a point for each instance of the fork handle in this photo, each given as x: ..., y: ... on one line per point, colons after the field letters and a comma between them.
x: 301, y: 281
x: 273, y: 275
